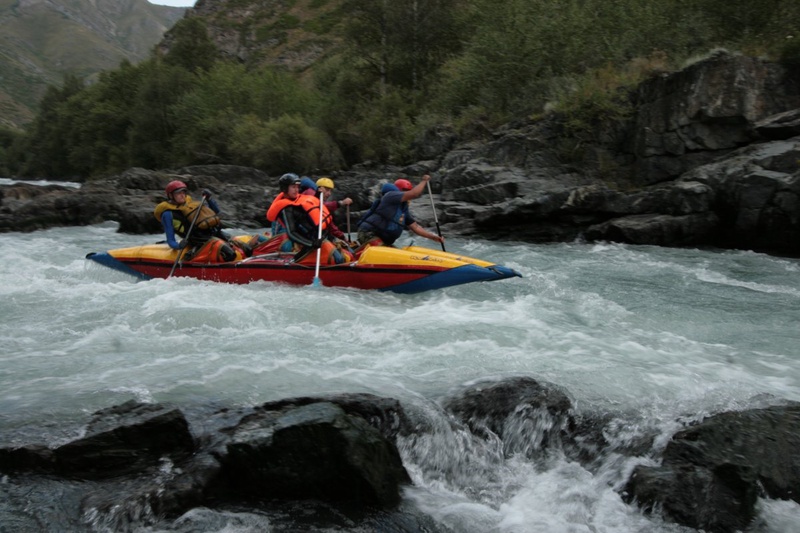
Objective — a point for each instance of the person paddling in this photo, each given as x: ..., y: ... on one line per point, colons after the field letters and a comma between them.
x: 391, y: 215
x: 325, y: 186
x: 297, y: 216
x: 179, y: 210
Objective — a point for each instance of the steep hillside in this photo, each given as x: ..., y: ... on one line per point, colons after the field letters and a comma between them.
x: 43, y: 40
x: 294, y: 34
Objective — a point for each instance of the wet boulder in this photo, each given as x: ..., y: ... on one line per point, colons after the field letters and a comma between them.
x: 146, y: 463
x: 315, y: 451
x: 711, y: 473
x: 384, y: 414
x: 126, y: 439
x: 719, y: 499
x: 527, y: 415
x: 122, y: 440
x: 30, y: 458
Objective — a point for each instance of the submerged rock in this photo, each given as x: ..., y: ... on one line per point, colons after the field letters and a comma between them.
x: 527, y: 415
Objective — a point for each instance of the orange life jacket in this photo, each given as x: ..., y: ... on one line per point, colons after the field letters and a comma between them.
x: 216, y: 250
x: 310, y: 205
x: 299, y: 217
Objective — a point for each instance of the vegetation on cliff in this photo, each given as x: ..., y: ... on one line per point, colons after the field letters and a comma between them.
x: 385, y: 73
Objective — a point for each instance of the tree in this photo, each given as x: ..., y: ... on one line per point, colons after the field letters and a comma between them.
x: 9, y: 144
x: 207, y: 116
x: 506, y: 52
x: 153, y: 125
x: 101, y: 119
x: 522, y: 54
x: 46, y: 153
x: 347, y: 93
x: 191, y: 48
x: 403, y: 41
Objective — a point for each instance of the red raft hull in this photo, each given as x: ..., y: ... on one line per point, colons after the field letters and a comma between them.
x: 407, y: 270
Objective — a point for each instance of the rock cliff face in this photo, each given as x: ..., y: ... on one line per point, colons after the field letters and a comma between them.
x: 704, y: 111
x: 291, y: 35
x: 710, y: 157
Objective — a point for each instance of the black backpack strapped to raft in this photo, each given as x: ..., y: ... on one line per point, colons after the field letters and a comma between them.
x: 300, y: 228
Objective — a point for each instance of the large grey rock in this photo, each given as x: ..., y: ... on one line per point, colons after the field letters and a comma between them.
x: 657, y: 230
x: 757, y: 195
x: 766, y: 440
x: 712, y: 472
x: 316, y: 451
x: 720, y: 499
x: 140, y: 463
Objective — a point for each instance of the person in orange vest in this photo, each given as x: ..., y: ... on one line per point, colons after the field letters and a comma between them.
x: 298, y: 216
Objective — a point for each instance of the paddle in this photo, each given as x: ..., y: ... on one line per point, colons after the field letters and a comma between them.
x: 435, y: 218
x: 188, y: 233
x: 316, y: 282
x: 348, y: 224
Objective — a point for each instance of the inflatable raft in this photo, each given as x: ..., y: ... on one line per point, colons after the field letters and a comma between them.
x: 403, y: 270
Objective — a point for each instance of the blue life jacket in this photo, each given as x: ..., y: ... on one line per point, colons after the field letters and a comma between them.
x: 389, y: 218
x: 387, y: 187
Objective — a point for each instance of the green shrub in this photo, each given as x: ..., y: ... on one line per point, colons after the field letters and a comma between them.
x: 387, y: 128
x: 286, y: 144
x: 600, y: 94
x: 287, y: 22
x: 322, y: 24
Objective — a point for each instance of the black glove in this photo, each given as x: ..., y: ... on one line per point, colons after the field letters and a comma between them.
x: 206, y: 194
x: 182, y: 244
x: 316, y: 243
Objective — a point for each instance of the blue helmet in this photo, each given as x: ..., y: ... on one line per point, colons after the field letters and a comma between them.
x: 307, y: 183
x: 388, y: 187
x: 286, y: 180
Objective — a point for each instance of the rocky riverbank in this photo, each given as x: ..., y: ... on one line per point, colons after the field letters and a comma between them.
x: 710, y: 157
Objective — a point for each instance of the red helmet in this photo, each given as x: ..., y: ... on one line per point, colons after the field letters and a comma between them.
x: 174, y: 186
x: 403, y: 185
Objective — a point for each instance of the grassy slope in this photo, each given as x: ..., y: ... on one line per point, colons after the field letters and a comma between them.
x: 40, y: 42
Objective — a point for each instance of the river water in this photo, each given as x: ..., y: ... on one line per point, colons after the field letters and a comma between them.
x: 654, y: 336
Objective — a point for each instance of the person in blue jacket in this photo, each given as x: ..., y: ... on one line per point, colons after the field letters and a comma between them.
x: 390, y: 215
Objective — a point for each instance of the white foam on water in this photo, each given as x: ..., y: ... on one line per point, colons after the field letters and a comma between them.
x: 654, y: 336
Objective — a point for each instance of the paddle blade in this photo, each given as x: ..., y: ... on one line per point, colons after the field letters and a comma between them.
x: 316, y: 282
